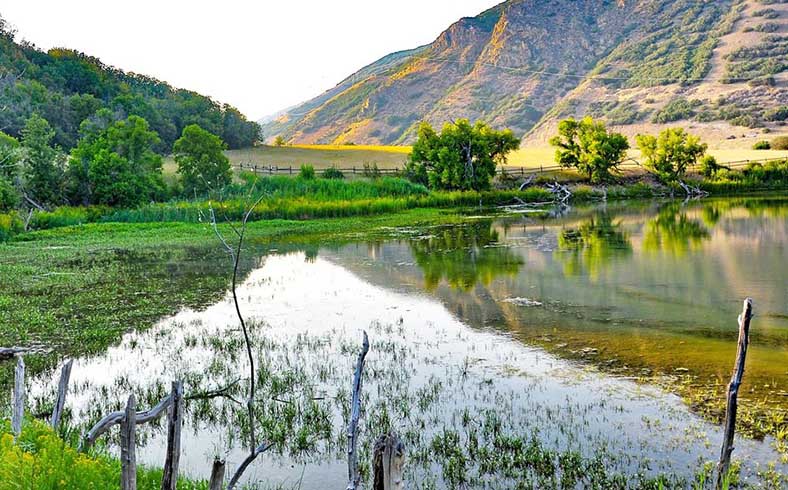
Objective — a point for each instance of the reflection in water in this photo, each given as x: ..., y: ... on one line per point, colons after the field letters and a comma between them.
x: 674, y: 232
x: 587, y: 248
x: 463, y: 256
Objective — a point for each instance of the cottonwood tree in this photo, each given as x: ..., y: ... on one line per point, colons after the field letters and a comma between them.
x: 587, y: 146
x: 461, y: 157
x: 671, y: 153
x: 201, y: 161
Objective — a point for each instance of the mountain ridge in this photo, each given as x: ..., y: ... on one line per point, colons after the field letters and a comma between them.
x: 524, y: 64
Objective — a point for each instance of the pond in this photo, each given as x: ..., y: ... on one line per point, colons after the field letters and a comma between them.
x: 534, y: 349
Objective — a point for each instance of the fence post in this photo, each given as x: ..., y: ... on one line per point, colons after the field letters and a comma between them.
x: 354, y: 478
x: 291, y: 169
x: 169, y: 480
x: 128, y: 450
x: 62, y: 391
x: 388, y: 463
x: 19, y: 396
x: 733, y: 392
x: 217, y: 475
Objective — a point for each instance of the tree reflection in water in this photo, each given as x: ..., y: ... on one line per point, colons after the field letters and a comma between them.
x: 589, y: 247
x: 673, y: 231
x: 463, y: 256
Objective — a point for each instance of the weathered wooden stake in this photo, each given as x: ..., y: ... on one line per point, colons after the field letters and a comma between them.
x: 62, y: 391
x: 128, y: 450
x: 354, y: 478
x: 733, y: 392
x: 217, y: 475
x: 388, y: 463
x: 169, y: 480
x: 19, y: 396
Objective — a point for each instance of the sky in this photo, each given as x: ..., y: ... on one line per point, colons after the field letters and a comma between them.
x: 260, y: 56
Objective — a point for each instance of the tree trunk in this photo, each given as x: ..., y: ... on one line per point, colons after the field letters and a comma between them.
x: 388, y: 463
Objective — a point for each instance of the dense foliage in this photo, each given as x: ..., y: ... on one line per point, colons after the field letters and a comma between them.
x: 671, y: 153
x: 66, y: 87
x: 461, y: 157
x: 587, y: 146
x: 114, y: 164
x: 201, y: 161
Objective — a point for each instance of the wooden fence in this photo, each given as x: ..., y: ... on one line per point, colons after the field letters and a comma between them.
x: 508, y: 171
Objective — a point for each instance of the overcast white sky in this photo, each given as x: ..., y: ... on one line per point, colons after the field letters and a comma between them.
x: 260, y: 56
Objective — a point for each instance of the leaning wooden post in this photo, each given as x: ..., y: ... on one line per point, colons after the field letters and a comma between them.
x: 354, y: 478
x: 62, y: 391
x: 128, y: 450
x: 217, y: 475
x: 388, y: 463
x: 733, y: 391
x: 169, y: 480
x: 19, y: 396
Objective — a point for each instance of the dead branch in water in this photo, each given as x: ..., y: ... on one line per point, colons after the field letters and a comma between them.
x: 354, y: 478
x: 723, y: 467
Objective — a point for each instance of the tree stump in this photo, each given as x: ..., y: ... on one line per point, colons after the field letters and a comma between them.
x: 388, y: 463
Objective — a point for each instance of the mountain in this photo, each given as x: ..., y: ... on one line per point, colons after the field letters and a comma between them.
x: 525, y: 64
x: 66, y: 87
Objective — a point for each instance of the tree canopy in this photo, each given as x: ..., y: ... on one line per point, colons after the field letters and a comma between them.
x: 114, y: 164
x: 201, y: 161
x: 41, y: 162
x: 461, y: 157
x: 669, y: 154
x: 66, y: 87
x: 587, y: 146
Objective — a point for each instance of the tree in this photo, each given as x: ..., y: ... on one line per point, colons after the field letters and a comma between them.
x: 279, y: 141
x: 669, y: 154
x: 587, y: 146
x: 462, y: 156
x: 119, y: 162
x: 201, y: 161
x: 41, y: 163
x: 10, y: 156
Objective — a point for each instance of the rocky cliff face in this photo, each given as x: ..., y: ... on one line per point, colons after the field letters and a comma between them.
x: 527, y: 63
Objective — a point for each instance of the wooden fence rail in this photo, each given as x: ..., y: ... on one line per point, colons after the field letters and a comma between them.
x: 509, y: 171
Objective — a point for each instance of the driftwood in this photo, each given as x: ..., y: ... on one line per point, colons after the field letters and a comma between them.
x: 388, y: 463
x: 114, y: 418
x: 19, y: 396
x: 723, y: 466
x: 354, y: 477
x: 693, y: 191
x: 62, y: 391
x: 527, y: 182
x: 128, y: 450
x: 560, y: 191
x: 169, y: 480
x: 217, y: 475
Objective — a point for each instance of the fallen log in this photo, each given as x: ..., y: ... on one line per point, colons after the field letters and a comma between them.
x: 114, y: 418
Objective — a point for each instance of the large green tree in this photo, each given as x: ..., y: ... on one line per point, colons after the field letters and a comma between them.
x: 671, y: 153
x: 42, y: 164
x: 463, y: 156
x: 587, y: 146
x: 201, y: 161
x: 10, y: 157
x: 118, y: 163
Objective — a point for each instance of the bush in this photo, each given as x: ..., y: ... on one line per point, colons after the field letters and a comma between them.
x: 762, y: 145
x: 371, y: 171
x: 307, y: 172
x: 779, y: 143
x: 709, y: 166
x: 9, y: 197
x: 332, y: 173
x: 10, y: 225
x: 675, y: 110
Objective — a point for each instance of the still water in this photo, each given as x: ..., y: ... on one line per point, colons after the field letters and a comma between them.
x: 607, y: 333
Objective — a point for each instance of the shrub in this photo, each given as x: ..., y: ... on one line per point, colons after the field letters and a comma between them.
x: 371, y: 171
x: 307, y: 172
x: 333, y: 173
x: 779, y: 143
x: 762, y: 145
x: 9, y: 197
x: 709, y: 166
x: 10, y: 225
x: 675, y: 110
